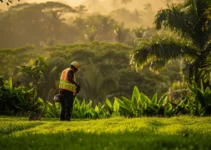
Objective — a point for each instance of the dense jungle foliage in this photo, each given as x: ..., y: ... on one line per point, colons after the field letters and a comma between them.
x: 115, y: 61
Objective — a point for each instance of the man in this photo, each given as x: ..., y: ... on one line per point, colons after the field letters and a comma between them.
x: 68, y: 88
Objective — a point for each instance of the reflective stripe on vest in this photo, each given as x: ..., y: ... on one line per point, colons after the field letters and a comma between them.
x: 64, y: 83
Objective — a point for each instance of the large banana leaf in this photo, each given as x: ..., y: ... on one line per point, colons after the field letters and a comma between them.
x: 135, y: 95
x: 116, y: 106
x: 125, y: 107
x: 109, y: 105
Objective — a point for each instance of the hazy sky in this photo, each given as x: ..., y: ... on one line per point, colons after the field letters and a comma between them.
x: 106, y: 6
x: 70, y: 2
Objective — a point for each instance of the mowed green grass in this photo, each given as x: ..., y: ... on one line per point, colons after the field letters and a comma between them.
x: 145, y: 133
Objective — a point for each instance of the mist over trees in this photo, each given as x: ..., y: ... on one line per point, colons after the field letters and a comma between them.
x: 55, y: 23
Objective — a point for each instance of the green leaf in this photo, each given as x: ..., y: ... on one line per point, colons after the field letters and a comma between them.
x: 135, y: 94
x: 109, y: 105
x: 97, y: 110
x: 155, y: 98
x: 163, y: 100
x: 116, y: 105
x: 128, y: 104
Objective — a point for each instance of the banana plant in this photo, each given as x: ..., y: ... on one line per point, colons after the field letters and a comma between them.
x: 52, y: 110
x: 141, y: 105
x: 200, y: 102
x: 107, y: 108
x: 83, y: 110
x: 14, y: 99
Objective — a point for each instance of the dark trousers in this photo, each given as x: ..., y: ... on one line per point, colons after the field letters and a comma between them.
x: 67, y: 105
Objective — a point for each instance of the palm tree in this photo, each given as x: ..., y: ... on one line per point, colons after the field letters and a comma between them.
x: 191, y: 26
x: 95, y: 85
x: 90, y: 33
x: 120, y: 33
x: 141, y: 32
x: 81, y: 9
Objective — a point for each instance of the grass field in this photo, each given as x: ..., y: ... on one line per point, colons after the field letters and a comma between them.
x: 145, y: 133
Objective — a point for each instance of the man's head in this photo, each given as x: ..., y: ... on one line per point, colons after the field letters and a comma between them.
x: 75, y: 65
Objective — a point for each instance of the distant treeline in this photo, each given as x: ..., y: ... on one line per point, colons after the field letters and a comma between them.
x: 52, y: 23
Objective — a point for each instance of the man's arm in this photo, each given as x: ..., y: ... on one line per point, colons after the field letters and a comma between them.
x: 71, y: 77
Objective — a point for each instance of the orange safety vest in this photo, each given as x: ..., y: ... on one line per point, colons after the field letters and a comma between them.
x: 64, y: 82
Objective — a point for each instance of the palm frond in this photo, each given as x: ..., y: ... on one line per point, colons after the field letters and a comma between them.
x: 206, y: 62
x: 206, y: 70
x: 191, y: 18
x: 157, y: 65
x: 174, y: 18
x: 163, y: 48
